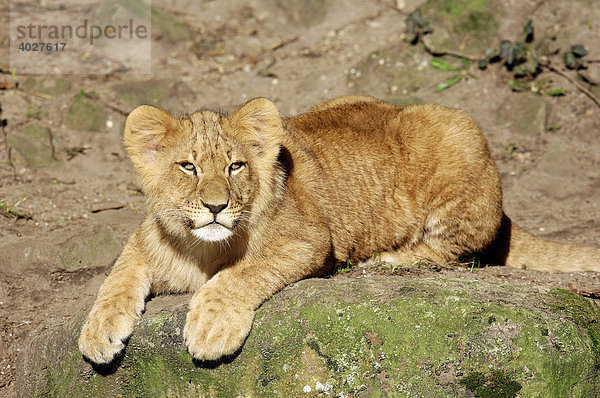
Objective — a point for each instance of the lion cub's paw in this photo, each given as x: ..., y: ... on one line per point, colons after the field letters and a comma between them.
x: 214, y: 329
x: 103, y: 334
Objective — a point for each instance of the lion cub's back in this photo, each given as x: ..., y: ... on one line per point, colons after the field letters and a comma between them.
x: 377, y: 170
x: 360, y: 136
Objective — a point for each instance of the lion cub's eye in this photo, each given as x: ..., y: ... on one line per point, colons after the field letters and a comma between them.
x: 236, y: 167
x: 187, y: 167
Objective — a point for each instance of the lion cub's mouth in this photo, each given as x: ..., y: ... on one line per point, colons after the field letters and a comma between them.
x: 212, y: 232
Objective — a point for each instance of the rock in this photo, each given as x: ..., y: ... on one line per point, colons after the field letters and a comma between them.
x: 305, y: 12
x: 167, y: 94
x: 164, y: 24
x: 369, y: 336
x: 470, y: 27
x: 168, y: 26
x: 559, y: 159
x: 592, y: 76
x: 396, y: 72
x: 33, y: 143
x: 97, y: 245
x: 85, y: 114
x: 64, y: 251
x: 553, y: 175
x: 558, y: 21
x: 524, y: 115
x: 50, y: 86
x: 142, y: 92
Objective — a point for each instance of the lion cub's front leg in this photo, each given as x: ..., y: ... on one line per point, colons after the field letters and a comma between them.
x: 217, y: 323
x: 119, y: 303
x: 221, y: 311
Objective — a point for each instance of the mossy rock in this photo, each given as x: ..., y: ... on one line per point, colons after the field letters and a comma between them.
x: 396, y: 72
x: 376, y: 336
x: 50, y: 86
x: 97, y: 245
x: 305, y: 12
x: 169, y: 26
x: 85, y: 114
x: 142, y: 92
x: 164, y: 24
x: 33, y: 144
x: 576, y: 19
x: 470, y: 26
x: 164, y: 93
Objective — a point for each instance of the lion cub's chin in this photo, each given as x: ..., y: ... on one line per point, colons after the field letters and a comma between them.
x: 212, y: 232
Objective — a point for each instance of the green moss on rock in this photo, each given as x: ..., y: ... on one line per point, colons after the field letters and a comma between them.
x: 169, y: 26
x: 394, y: 73
x: 33, y: 145
x: 369, y: 337
x: 164, y: 24
x: 305, y: 12
x: 159, y: 92
x: 470, y: 26
x: 142, y: 92
x: 50, y: 86
x: 85, y: 114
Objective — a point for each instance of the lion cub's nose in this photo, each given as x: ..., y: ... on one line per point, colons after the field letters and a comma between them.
x: 215, y: 209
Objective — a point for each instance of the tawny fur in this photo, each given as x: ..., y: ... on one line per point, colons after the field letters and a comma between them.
x: 351, y: 177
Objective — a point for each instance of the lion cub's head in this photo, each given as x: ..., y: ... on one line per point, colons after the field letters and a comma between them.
x: 206, y: 174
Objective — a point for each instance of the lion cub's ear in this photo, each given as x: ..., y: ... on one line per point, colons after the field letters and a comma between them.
x: 146, y: 130
x: 259, y: 123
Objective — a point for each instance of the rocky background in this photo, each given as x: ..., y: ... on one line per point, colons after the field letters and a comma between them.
x: 68, y: 198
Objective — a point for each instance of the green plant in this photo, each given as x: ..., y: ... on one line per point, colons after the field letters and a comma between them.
x: 454, y: 79
x: 474, y: 263
x: 34, y: 112
x: 343, y: 267
x: 88, y: 94
x: 11, y: 211
x: 511, y: 150
x: 520, y: 59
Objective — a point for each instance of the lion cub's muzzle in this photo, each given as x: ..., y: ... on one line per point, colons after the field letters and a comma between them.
x: 213, y: 225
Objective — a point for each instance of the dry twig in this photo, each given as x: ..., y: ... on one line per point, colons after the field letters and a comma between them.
x: 439, y: 53
x: 574, y: 82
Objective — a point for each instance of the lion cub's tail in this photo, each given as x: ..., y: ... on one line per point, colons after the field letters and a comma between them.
x: 519, y: 249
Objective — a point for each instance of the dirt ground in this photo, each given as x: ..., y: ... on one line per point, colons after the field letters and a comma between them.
x: 296, y: 54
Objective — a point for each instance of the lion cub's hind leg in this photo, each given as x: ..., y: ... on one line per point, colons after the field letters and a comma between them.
x: 408, y: 256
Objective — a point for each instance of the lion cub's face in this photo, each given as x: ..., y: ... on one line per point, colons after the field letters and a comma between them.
x: 203, y: 173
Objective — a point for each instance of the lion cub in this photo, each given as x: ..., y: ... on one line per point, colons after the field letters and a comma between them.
x: 240, y: 205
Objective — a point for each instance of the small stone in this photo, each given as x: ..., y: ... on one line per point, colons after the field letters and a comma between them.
x: 320, y: 387
x: 591, y: 74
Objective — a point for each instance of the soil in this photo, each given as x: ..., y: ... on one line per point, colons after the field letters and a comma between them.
x: 296, y: 54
